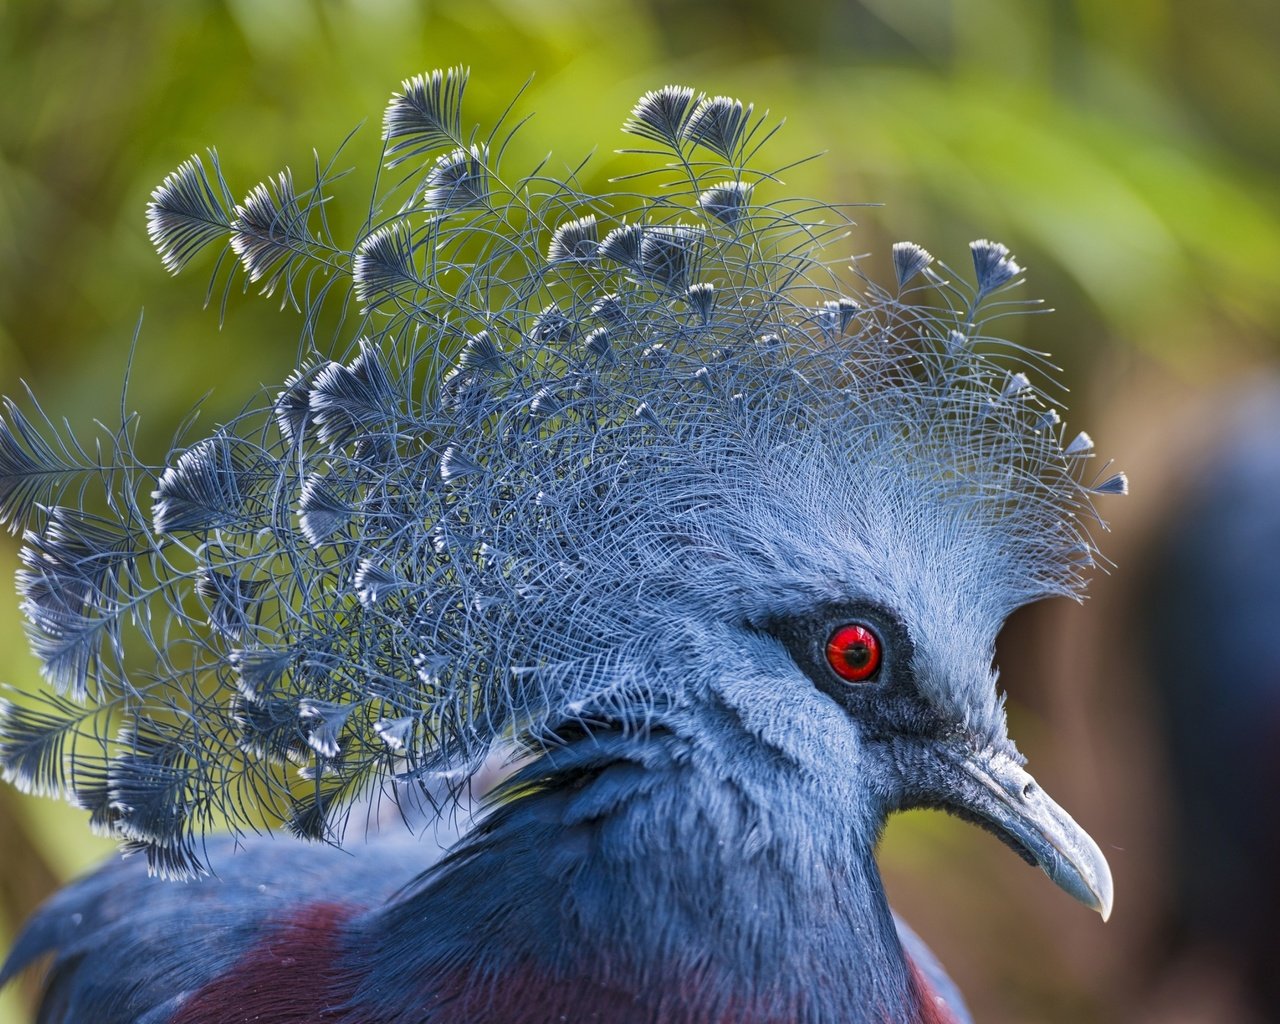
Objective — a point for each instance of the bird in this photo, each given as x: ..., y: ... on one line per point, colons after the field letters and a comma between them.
x: 699, y: 533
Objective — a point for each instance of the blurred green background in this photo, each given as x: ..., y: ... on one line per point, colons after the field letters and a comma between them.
x: 1127, y: 153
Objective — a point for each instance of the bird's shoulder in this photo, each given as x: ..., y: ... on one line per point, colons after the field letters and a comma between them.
x: 938, y: 996
x: 126, y: 948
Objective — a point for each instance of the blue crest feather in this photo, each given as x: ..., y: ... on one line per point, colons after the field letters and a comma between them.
x: 552, y: 425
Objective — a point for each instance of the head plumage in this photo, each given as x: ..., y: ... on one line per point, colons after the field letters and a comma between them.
x: 559, y: 421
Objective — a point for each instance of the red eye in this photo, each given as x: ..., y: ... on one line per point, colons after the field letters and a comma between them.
x: 853, y: 652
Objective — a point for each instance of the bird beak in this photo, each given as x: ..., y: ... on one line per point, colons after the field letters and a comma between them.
x: 1010, y: 802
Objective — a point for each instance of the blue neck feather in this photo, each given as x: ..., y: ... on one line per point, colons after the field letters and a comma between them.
x: 637, y: 882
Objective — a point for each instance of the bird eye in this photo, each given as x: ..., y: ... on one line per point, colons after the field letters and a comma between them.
x: 853, y: 652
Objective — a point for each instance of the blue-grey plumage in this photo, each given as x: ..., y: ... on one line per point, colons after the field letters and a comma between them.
x: 631, y: 483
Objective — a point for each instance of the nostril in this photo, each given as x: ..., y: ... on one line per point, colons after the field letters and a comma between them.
x: 1029, y: 790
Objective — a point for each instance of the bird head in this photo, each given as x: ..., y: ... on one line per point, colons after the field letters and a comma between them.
x: 629, y: 461
x: 833, y: 573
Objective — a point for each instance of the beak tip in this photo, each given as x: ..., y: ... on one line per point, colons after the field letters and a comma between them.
x: 1087, y: 876
x: 1105, y: 895
x: 1093, y: 888
x: 1103, y: 907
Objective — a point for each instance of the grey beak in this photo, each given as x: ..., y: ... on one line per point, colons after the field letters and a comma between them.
x: 1010, y: 801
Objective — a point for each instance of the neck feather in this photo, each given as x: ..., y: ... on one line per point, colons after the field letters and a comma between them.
x: 642, y: 878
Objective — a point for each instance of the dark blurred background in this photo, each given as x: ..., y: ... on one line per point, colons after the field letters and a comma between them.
x: 1127, y: 153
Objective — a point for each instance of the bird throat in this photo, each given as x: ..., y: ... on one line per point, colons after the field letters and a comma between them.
x: 625, y: 882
